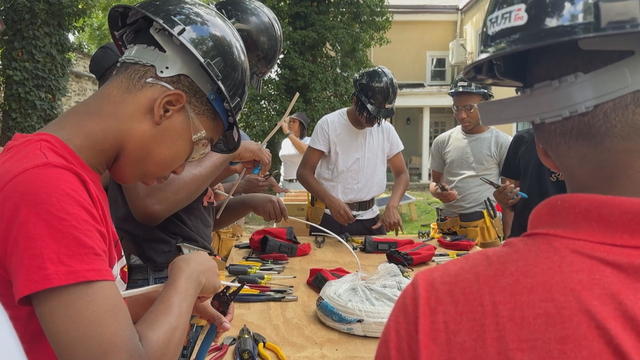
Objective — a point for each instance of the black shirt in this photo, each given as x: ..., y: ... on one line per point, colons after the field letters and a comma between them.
x: 157, y: 246
x: 536, y: 180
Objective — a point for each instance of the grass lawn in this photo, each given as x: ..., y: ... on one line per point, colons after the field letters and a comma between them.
x: 425, y: 206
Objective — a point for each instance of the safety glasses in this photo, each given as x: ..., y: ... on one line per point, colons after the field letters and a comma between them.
x: 201, y: 144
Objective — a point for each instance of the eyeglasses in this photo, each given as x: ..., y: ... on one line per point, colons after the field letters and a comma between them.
x: 468, y: 108
x: 201, y: 144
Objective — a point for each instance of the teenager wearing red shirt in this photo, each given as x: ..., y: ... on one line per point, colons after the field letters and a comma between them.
x: 61, y: 264
x: 568, y: 288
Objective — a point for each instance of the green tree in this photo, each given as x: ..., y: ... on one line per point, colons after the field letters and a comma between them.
x: 35, y: 61
x: 326, y: 43
x: 93, y: 30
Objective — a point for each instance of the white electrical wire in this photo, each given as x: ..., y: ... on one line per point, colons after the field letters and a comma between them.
x: 334, y: 235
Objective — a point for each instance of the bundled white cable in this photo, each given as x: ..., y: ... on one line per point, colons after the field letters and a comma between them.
x: 359, y: 304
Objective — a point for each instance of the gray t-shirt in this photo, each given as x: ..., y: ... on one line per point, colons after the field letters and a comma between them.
x: 463, y: 159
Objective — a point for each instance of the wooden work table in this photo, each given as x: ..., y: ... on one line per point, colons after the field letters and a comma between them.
x: 293, y: 325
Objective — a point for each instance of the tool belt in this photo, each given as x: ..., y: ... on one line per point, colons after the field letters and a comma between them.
x: 480, y: 226
x: 315, y: 209
x: 362, y: 205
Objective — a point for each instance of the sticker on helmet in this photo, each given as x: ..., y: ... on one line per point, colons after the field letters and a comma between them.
x: 511, y: 16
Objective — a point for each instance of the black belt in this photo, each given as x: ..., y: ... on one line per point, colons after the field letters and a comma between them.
x: 362, y: 205
x: 472, y: 216
x: 291, y: 180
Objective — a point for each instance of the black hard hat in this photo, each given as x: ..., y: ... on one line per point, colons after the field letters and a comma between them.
x: 103, y: 61
x: 261, y: 33
x: 196, y: 41
x: 303, y: 118
x: 377, y: 89
x: 514, y: 27
x: 463, y: 86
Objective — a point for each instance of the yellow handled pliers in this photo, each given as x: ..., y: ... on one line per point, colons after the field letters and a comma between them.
x: 263, y: 344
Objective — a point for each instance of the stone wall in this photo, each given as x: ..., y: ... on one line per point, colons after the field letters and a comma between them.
x: 81, y: 82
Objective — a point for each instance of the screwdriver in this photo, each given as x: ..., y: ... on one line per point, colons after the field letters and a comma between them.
x: 248, y: 298
x: 260, y: 266
x: 238, y: 269
x: 261, y: 279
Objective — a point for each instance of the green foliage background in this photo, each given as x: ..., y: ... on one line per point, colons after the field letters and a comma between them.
x: 326, y: 43
x: 35, y: 55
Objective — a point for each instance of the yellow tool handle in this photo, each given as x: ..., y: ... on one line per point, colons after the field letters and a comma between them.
x: 249, y: 291
x: 276, y: 349
x: 252, y: 263
x: 262, y: 352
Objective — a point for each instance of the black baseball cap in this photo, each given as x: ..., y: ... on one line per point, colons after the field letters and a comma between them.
x: 103, y: 62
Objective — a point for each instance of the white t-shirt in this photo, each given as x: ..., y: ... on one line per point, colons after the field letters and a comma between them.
x: 354, y: 167
x: 290, y: 157
x: 464, y: 158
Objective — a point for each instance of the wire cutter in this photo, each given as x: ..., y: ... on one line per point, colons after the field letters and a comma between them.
x: 220, y: 350
x: 221, y: 303
x: 223, y: 299
x: 496, y: 186
x: 263, y: 344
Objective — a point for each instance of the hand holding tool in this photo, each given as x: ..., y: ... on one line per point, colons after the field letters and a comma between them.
x: 263, y: 344
x: 221, y: 303
x: 497, y: 186
x: 259, y: 168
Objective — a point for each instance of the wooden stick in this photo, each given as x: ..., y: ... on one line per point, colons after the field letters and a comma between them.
x: 233, y: 189
x: 221, y: 193
x: 264, y: 144
x: 286, y: 115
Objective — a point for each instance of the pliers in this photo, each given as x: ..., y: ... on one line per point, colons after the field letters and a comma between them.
x: 263, y: 344
x: 220, y: 350
x: 221, y: 303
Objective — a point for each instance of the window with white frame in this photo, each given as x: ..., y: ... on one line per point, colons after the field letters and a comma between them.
x: 438, y: 68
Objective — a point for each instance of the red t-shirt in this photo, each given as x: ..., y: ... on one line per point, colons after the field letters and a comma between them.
x: 567, y: 289
x: 55, y: 230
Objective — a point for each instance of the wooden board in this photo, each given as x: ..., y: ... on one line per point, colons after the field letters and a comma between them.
x: 294, y: 325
